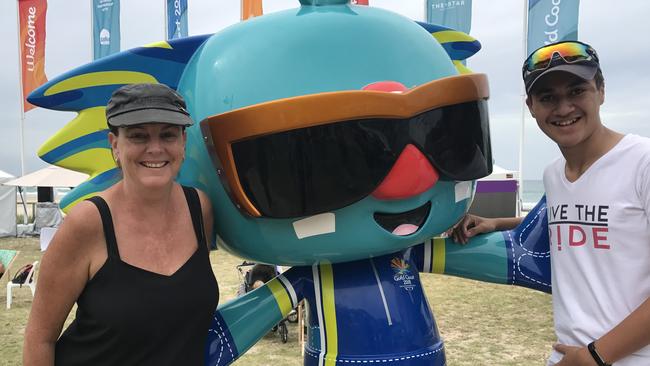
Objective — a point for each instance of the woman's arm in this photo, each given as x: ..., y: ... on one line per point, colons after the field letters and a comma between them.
x: 65, y: 269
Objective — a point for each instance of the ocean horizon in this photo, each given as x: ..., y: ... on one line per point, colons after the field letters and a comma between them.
x: 533, y: 191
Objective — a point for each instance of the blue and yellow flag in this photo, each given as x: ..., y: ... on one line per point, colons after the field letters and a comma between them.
x: 176, y: 19
x: 455, y: 14
x: 551, y: 21
x: 106, y: 28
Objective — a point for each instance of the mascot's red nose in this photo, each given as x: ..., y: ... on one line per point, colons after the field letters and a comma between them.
x: 411, y: 175
x: 386, y: 86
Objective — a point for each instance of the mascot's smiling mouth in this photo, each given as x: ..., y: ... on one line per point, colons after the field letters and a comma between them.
x: 404, y: 223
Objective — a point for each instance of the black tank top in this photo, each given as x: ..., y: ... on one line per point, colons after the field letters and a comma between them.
x: 130, y: 316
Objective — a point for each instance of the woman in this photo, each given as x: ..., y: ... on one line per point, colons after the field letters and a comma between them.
x: 134, y: 258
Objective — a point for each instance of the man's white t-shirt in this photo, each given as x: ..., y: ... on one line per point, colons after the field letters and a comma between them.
x: 599, y: 234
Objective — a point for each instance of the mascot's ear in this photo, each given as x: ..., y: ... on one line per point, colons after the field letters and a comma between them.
x: 459, y: 45
x: 82, y: 144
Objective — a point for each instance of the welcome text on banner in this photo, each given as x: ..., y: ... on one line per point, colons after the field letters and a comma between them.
x: 31, y: 14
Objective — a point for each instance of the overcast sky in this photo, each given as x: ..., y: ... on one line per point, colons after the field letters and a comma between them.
x: 617, y: 30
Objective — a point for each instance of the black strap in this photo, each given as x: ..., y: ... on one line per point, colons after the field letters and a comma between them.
x: 107, y: 223
x: 596, y: 356
x: 194, y: 203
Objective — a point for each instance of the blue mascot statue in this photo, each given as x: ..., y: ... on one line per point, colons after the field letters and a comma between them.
x: 335, y: 139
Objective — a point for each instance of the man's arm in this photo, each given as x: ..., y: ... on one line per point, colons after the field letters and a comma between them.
x: 630, y: 335
x: 472, y: 225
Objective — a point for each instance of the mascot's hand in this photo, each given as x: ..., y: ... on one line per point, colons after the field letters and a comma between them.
x: 574, y: 356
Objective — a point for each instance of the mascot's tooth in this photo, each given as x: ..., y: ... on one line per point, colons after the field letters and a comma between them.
x: 463, y: 190
x: 315, y: 225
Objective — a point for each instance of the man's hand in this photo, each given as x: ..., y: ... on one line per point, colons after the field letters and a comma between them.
x: 574, y: 356
x: 470, y: 226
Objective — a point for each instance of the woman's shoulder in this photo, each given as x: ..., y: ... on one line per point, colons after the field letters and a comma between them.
x: 83, y: 215
x: 204, y: 199
x: 206, y: 213
x: 82, y: 224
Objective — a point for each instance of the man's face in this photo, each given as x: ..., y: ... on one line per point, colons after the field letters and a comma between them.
x: 566, y: 107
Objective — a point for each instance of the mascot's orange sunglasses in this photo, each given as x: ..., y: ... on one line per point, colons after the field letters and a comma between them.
x: 315, y: 153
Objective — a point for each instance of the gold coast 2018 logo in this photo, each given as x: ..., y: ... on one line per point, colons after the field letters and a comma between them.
x: 403, y: 274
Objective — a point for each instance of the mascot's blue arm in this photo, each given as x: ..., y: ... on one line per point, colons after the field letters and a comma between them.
x: 238, y: 324
x: 518, y: 257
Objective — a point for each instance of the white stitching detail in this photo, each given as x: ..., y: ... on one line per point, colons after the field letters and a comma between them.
x: 543, y: 209
x: 222, y: 338
x: 512, y: 249
x: 528, y: 252
x: 383, y: 360
x: 531, y: 279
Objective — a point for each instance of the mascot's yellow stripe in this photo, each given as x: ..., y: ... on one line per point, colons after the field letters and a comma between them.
x: 281, y: 296
x: 438, y: 255
x: 99, y: 78
x: 461, y: 68
x: 67, y: 208
x: 452, y: 36
x: 159, y: 44
x: 92, y: 161
x: 329, y: 313
x: 87, y: 121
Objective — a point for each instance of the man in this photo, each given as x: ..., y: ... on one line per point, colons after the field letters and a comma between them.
x: 598, y: 202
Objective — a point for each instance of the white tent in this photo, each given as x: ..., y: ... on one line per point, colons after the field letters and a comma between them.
x: 7, y: 206
x: 47, y: 214
x: 50, y: 176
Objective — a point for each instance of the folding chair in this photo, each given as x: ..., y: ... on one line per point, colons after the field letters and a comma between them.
x: 47, y: 233
x: 27, y: 283
x: 7, y: 257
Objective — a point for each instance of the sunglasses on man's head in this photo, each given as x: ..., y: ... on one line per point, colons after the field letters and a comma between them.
x: 569, y: 51
x: 316, y: 153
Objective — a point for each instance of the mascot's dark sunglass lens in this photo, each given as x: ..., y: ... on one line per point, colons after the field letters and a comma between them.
x: 322, y: 168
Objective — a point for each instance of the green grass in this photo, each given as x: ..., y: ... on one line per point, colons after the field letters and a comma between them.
x: 482, y: 324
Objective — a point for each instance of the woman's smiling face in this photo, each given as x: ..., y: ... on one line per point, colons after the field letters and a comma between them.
x: 150, y: 154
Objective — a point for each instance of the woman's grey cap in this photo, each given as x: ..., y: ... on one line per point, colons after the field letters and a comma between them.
x: 135, y: 104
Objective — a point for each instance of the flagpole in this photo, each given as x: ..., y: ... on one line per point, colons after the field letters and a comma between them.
x: 166, y: 20
x: 92, y: 30
x: 21, y: 126
x: 426, y: 9
x: 523, y: 117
